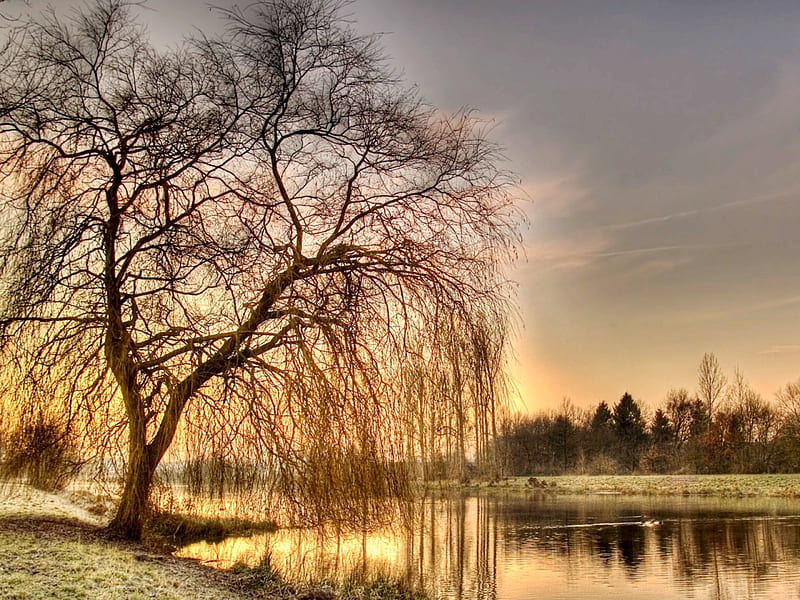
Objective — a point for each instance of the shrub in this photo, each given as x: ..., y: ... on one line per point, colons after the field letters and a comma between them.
x: 602, y: 464
x: 42, y: 452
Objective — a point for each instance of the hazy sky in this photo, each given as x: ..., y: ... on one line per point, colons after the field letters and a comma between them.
x: 658, y: 145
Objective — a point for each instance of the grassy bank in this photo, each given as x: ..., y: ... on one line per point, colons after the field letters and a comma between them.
x: 54, y: 549
x: 776, y: 486
x: 186, y: 529
x: 59, y: 558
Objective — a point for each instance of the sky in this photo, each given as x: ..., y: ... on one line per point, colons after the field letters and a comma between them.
x: 658, y: 148
x: 658, y: 145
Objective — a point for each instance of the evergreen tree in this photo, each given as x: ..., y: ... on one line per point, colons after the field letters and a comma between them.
x: 629, y: 429
x: 602, y: 416
x: 660, y: 429
x: 600, y: 439
x: 660, y: 457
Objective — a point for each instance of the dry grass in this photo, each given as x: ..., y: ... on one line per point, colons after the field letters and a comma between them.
x: 56, y: 558
x: 186, y: 529
x: 53, y: 549
x: 38, y: 566
x: 775, y: 486
x: 17, y: 499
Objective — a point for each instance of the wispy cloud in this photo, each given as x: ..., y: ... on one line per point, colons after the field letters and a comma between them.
x: 590, y: 250
x: 702, y: 210
x: 650, y: 268
x: 737, y: 310
x: 567, y: 253
x: 782, y: 349
x: 650, y: 250
x: 557, y: 196
x: 777, y: 303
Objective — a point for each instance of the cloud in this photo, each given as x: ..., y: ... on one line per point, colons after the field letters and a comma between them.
x: 591, y: 249
x: 703, y: 210
x: 782, y: 349
x: 737, y: 310
x: 649, y: 250
x: 556, y: 196
x: 567, y: 253
x: 650, y: 268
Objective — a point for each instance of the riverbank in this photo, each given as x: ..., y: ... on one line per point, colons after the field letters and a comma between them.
x: 54, y: 548
x: 734, y: 486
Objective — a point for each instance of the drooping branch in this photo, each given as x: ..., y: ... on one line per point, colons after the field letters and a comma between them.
x: 255, y: 230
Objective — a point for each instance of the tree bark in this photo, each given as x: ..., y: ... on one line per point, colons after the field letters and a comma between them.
x: 133, y: 508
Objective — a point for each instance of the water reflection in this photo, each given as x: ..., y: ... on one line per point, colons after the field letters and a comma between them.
x: 515, y: 548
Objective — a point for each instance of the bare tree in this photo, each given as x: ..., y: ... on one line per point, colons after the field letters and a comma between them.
x: 710, y: 383
x: 240, y: 238
x: 789, y: 399
x: 739, y: 392
x: 687, y: 416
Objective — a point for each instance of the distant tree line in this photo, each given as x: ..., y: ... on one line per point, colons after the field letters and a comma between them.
x: 723, y: 427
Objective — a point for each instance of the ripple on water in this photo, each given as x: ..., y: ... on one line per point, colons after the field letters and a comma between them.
x: 569, y: 548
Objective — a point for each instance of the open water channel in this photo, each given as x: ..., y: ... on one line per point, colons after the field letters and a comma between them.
x: 520, y: 547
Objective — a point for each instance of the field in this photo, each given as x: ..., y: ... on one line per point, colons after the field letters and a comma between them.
x: 783, y: 486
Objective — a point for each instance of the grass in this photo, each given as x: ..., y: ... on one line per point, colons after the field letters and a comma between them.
x: 187, y: 529
x: 263, y: 575
x: 774, y: 486
x: 55, y: 561
x: 377, y: 588
x: 53, y: 550
x: 355, y: 587
x: 60, y: 559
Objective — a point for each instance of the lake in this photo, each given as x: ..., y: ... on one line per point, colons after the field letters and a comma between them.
x: 518, y: 547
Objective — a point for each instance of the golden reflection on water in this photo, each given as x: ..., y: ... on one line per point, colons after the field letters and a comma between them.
x: 515, y: 548
x: 306, y: 555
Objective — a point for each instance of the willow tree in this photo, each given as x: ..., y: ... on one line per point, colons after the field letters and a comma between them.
x: 453, y: 387
x: 251, y: 227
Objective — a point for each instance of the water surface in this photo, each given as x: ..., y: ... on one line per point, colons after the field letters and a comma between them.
x: 568, y: 548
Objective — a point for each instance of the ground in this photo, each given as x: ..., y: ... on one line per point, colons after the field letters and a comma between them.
x: 777, y: 485
x: 54, y: 548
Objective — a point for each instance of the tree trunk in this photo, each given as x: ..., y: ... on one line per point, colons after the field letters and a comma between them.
x: 133, y: 508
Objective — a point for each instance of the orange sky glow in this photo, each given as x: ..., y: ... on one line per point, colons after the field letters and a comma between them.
x: 658, y: 155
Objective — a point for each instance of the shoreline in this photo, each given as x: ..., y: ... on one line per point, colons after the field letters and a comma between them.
x: 55, y: 548
x: 725, y: 486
